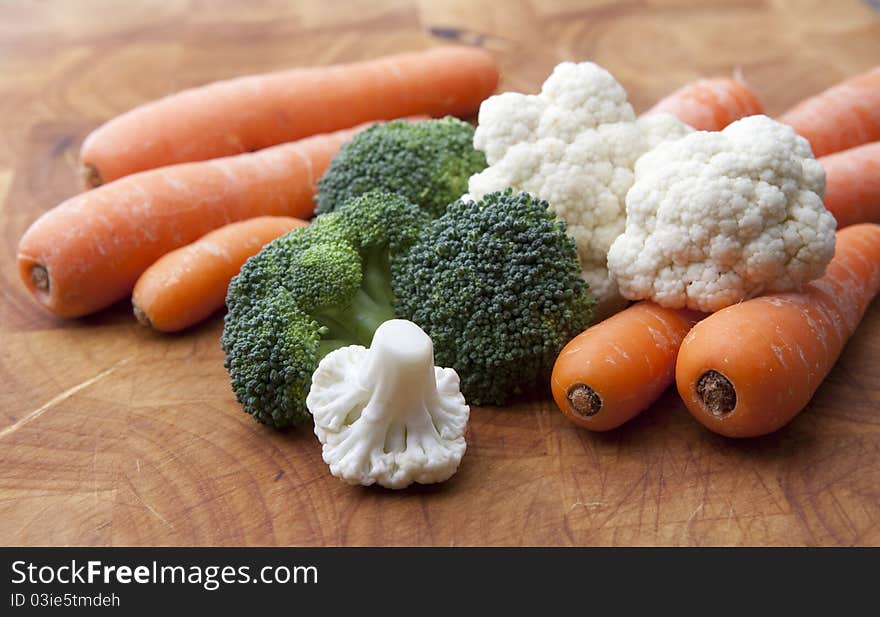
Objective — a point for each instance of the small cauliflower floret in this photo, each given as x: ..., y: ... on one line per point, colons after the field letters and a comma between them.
x: 386, y: 414
x: 719, y: 217
x: 573, y: 145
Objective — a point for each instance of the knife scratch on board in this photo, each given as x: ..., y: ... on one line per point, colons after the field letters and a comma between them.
x: 95, y: 473
x: 588, y: 505
x: 36, y: 413
x: 693, y: 514
x: 147, y: 506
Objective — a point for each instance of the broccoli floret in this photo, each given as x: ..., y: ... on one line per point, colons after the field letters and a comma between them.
x: 272, y: 264
x: 496, y: 285
x: 311, y: 291
x: 428, y: 162
x: 272, y: 348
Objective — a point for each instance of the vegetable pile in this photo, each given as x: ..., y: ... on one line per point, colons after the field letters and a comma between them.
x: 358, y: 232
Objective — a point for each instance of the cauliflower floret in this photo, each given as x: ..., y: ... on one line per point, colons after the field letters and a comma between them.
x: 718, y: 217
x: 386, y: 414
x: 573, y: 145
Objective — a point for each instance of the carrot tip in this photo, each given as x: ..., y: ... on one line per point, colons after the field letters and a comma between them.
x: 716, y: 393
x: 40, y: 277
x: 583, y: 400
x: 91, y: 176
x: 141, y: 316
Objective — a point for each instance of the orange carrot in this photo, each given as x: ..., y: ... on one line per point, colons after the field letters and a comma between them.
x: 852, y: 184
x: 88, y: 252
x: 250, y: 113
x: 749, y: 369
x: 615, y: 369
x: 188, y: 284
x: 843, y: 116
x: 710, y: 104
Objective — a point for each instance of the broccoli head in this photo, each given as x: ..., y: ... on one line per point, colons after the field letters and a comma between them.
x: 496, y: 285
x: 272, y: 348
x: 311, y: 291
x: 428, y: 162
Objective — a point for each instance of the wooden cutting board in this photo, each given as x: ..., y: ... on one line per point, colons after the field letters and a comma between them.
x: 113, y: 435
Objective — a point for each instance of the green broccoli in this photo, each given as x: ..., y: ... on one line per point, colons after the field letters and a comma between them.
x: 271, y: 265
x: 494, y: 283
x: 308, y: 292
x: 272, y: 348
x: 428, y: 162
x: 496, y: 286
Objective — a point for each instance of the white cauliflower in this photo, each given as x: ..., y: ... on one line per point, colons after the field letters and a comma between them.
x: 718, y: 217
x: 573, y: 145
x: 386, y: 414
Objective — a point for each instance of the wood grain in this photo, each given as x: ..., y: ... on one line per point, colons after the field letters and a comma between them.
x: 112, y: 435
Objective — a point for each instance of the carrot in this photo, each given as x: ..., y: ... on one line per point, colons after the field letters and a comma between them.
x: 852, y: 184
x: 749, y: 369
x: 188, y: 284
x: 843, y: 116
x: 87, y: 252
x: 710, y: 104
x: 250, y: 113
x: 613, y: 370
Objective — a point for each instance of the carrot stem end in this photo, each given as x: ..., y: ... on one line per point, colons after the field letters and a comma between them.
x: 583, y: 400
x: 716, y: 393
x: 91, y: 176
x: 141, y: 316
x: 40, y: 277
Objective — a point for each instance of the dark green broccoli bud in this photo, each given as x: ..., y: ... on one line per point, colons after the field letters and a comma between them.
x: 496, y: 285
x: 330, y: 280
x: 324, y: 275
x: 262, y: 274
x: 379, y: 218
x: 428, y: 162
x: 272, y: 348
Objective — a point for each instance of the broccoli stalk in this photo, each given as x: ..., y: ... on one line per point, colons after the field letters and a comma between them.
x: 355, y: 323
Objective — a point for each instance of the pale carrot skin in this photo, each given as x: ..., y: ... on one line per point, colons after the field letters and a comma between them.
x: 852, y: 184
x: 87, y: 252
x: 188, y: 284
x: 710, y: 104
x: 615, y: 369
x: 249, y: 113
x: 843, y: 116
x: 750, y: 368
